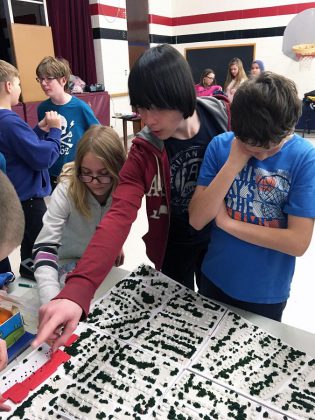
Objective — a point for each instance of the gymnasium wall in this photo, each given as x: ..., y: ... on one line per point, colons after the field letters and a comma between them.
x: 197, y: 23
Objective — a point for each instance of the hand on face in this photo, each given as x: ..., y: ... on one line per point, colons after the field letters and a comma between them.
x: 238, y: 156
x: 57, y: 321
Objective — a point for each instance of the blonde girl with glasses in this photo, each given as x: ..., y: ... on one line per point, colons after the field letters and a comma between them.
x: 207, y: 85
x: 80, y: 200
x: 53, y: 75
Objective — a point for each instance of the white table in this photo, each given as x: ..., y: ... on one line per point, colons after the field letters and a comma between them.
x: 299, y: 339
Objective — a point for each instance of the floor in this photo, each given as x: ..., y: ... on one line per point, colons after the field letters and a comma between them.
x: 300, y: 310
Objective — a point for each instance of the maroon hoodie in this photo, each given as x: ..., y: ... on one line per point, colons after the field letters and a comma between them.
x: 146, y: 172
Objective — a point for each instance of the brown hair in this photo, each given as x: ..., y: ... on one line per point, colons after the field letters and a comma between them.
x: 205, y: 74
x: 241, y: 75
x: 12, y: 216
x: 107, y: 146
x: 7, y: 72
x: 54, y: 67
x: 265, y: 110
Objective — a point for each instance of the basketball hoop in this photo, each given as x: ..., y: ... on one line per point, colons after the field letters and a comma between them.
x: 305, y: 53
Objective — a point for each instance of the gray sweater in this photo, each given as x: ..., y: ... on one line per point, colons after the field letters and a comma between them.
x: 63, y: 239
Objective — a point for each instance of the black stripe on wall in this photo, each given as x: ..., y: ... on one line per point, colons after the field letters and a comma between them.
x: 162, y: 39
x: 102, y: 33
x: 228, y: 35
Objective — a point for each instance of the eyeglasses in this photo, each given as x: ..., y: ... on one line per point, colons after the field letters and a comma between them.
x: 102, y: 179
x: 48, y: 79
x: 208, y: 77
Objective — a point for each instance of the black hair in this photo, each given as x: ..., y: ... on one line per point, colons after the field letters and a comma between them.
x: 265, y: 110
x: 161, y: 78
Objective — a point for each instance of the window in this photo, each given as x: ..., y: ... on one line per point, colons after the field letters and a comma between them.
x: 29, y: 12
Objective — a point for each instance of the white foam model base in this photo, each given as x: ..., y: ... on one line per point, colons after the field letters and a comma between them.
x: 154, y: 349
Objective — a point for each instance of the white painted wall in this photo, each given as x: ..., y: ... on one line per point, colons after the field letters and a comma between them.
x: 269, y: 50
x: 163, y: 7
x: 112, y: 62
x: 186, y: 8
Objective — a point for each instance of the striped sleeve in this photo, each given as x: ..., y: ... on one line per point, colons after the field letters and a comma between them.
x: 45, y: 250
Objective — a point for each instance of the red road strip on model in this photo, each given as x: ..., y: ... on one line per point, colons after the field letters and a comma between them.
x: 18, y: 392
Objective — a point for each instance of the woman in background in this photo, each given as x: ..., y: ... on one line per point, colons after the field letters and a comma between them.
x: 257, y: 67
x: 207, y: 85
x: 235, y: 77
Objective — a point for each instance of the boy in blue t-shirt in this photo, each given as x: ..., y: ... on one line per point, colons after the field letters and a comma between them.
x: 257, y: 185
x: 53, y: 74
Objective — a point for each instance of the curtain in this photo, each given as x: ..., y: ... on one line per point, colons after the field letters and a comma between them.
x: 70, y: 21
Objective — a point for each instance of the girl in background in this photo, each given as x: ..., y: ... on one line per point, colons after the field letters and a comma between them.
x: 256, y: 68
x: 80, y: 200
x: 235, y: 77
x: 207, y: 85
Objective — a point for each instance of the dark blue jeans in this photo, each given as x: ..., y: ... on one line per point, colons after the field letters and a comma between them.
x: 182, y: 262
x: 5, y: 265
x: 34, y: 210
x: 269, y: 310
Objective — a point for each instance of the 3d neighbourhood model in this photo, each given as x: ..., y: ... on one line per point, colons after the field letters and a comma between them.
x: 153, y: 349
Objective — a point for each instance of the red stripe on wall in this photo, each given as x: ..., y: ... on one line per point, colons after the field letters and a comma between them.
x: 162, y: 20
x: 290, y: 9
x: 102, y: 9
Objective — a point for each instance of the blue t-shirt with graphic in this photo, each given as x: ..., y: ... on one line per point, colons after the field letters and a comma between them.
x: 76, y: 118
x: 263, y: 193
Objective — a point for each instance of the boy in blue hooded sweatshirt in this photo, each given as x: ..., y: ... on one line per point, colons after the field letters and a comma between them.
x: 27, y: 156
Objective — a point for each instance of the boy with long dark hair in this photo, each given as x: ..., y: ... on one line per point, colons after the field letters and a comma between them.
x: 163, y: 164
